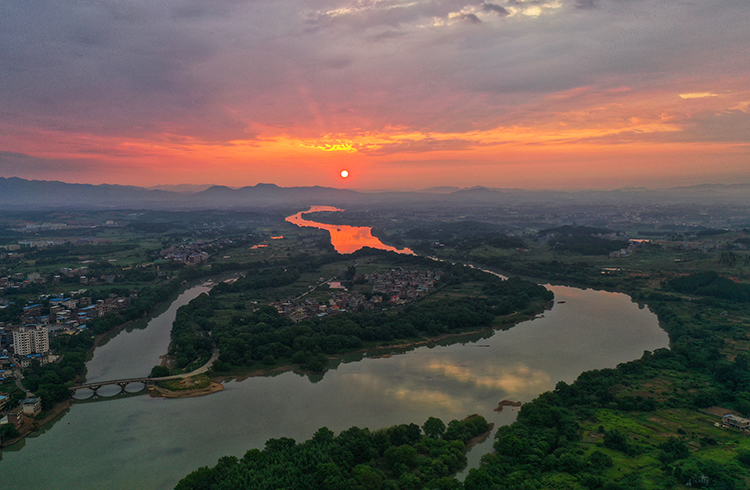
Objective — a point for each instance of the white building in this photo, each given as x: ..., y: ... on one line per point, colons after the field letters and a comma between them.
x: 735, y: 422
x: 31, y: 339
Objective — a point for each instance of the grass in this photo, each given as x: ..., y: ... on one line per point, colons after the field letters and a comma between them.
x: 193, y: 383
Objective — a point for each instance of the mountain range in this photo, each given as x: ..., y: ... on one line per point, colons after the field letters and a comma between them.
x: 22, y: 194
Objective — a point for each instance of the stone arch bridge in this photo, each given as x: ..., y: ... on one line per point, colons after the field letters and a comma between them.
x: 122, y: 383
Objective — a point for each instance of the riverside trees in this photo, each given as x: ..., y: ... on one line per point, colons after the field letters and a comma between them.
x: 395, y: 457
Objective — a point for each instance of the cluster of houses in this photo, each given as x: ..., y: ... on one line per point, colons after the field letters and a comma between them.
x: 14, y: 282
x: 633, y: 245
x: 196, y: 252
x: 20, y: 281
x: 29, y: 407
x: 190, y: 254
x: 299, y: 309
x: 67, y: 313
x: 29, y: 338
x: 395, y: 286
x: 401, y: 286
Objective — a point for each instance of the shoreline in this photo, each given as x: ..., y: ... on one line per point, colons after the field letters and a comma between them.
x: 252, y: 373
x: 481, y: 437
x: 31, y: 425
x: 159, y: 392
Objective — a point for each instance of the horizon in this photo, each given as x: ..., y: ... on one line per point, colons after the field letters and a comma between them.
x: 548, y: 94
x: 197, y: 188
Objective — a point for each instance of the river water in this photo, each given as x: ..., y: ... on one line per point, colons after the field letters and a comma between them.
x: 345, y: 239
x: 150, y: 443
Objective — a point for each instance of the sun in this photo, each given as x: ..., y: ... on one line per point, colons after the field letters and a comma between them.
x: 345, y: 173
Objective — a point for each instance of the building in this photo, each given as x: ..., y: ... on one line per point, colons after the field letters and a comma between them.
x: 31, y: 339
x: 735, y: 422
x: 32, y: 406
x: 15, y: 416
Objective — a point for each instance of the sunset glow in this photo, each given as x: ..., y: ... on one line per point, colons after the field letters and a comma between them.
x: 555, y: 94
x: 345, y: 239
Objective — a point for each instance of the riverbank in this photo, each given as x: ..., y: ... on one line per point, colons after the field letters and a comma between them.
x: 481, y: 437
x: 32, y: 424
x: 159, y: 392
x: 242, y: 375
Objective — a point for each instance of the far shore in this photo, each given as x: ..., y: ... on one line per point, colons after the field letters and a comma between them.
x: 242, y: 375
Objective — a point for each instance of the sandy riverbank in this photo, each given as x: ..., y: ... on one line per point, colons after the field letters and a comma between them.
x: 159, y: 392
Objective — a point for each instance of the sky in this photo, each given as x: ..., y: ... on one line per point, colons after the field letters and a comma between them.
x: 404, y: 94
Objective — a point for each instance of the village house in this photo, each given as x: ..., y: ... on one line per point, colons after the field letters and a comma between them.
x: 734, y: 422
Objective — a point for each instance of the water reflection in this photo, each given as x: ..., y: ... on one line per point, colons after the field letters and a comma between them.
x: 516, y: 379
x: 345, y: 239
x: 142, y: 442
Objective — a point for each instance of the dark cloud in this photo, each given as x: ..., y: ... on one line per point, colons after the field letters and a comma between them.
x: 586, y: 4
x: 223, y: 70
x: 471, y: 18
x: 498, y: 9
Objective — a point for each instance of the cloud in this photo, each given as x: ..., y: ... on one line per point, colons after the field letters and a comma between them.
x: 725, y: 126
x: 497, y: 9
x: 697, y: 95
x: 586, y: 4
x: 14, y: 164
x: 425, y: 145
x: 189, y: 71
x: 471, y: 18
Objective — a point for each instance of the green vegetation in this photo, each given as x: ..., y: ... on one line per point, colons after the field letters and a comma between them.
x: 7, y: 432
x: 51, y: 381
x: 649, y: 423
x: 396, y: 457
x: 159, y: 372
x: 248, y: 334
x: 193, y: 383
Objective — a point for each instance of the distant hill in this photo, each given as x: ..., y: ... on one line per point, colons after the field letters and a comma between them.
x: 24, y: 194
x: 187, y: 188
x: 21, y: 194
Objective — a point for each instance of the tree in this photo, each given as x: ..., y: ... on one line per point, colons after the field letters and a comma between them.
x: 8, y: 431
x: 433, y: 428
x: 159, y: 372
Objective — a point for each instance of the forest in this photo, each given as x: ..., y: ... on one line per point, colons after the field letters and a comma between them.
x: 404, y: 456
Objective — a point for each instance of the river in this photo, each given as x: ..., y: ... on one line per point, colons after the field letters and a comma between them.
x: 345, y: 239
x: 150, y: 443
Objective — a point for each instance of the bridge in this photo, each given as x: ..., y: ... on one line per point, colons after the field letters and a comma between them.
x: 122, y: 383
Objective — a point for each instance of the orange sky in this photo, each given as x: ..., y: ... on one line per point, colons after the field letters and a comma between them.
x: 532, y: 94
